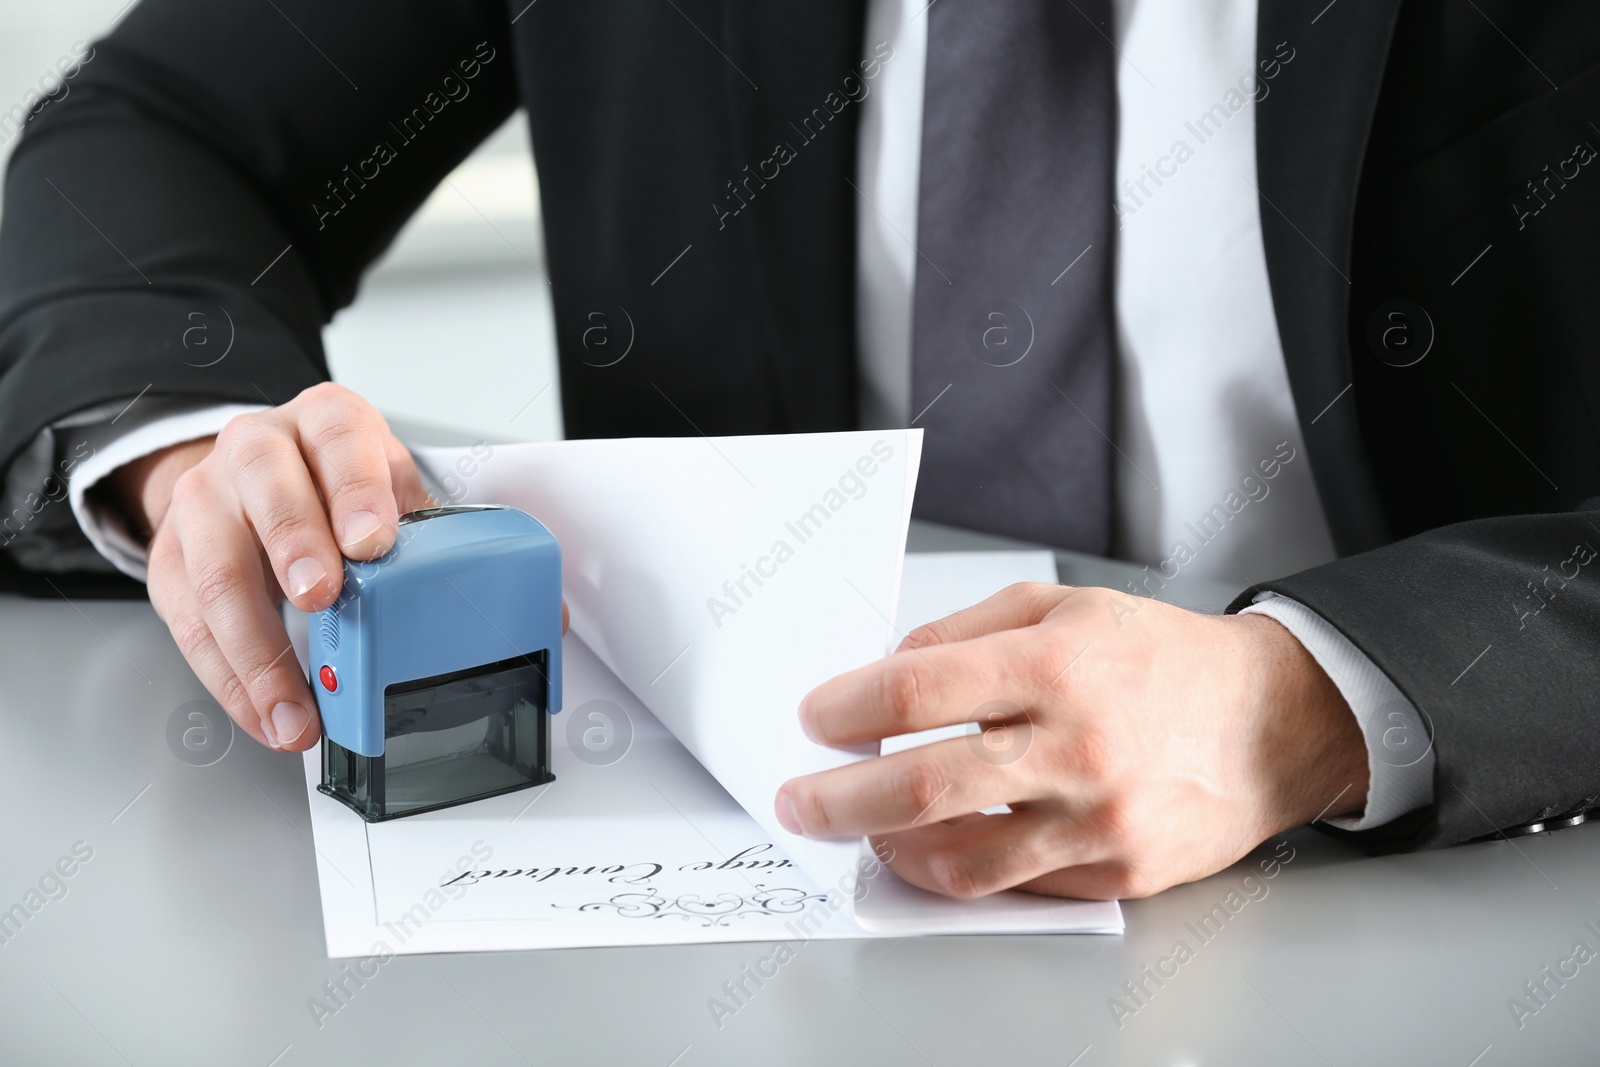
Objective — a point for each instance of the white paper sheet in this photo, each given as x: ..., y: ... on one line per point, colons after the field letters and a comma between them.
x: 721, y: 579
x: 657, y: 536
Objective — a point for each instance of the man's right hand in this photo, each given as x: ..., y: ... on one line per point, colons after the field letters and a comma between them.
x: 268, y: 508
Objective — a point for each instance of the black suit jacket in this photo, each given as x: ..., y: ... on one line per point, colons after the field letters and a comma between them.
x: 1395, y: 156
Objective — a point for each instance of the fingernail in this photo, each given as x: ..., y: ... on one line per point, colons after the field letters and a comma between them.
x: 305, y: 575
x: 805, y: 721
x: 269, y: 732
x: 787, y: 816
x: 289, y: 721
x: 358, y: 526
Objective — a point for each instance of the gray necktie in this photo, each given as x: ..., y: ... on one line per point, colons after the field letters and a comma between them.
x: 1013, y: 337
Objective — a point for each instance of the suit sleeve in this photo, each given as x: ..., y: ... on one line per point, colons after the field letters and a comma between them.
x: 232, y: 168
x: 1491, y: 628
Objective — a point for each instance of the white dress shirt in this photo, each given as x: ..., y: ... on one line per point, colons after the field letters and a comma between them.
x: 1204, y: 407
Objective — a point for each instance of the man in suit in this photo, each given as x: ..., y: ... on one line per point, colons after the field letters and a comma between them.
x: 1043, y: 233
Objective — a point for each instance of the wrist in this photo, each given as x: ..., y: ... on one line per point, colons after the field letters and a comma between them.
x: 1311, y: 754
x: 141, y: 489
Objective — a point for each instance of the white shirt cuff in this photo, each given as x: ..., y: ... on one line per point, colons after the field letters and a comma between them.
x: 164, y: 421
x: 1399, y: 746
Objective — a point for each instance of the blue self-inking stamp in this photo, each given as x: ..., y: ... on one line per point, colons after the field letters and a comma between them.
x: 439, y: 666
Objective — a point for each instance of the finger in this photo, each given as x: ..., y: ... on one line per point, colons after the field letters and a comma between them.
x: 1015, y: 606
x: 343, y: 441
x: 1107, y: 879
x: 224, y: 576
x: 976, y: 856
x: 918, y: 787
x: 409, y: 492
x: 884, y: 850
x: 263, y: 461
x: 175, y: 604
x: 923, y: 688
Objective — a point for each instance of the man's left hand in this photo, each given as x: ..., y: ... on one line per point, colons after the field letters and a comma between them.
x: 1138, y: 746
